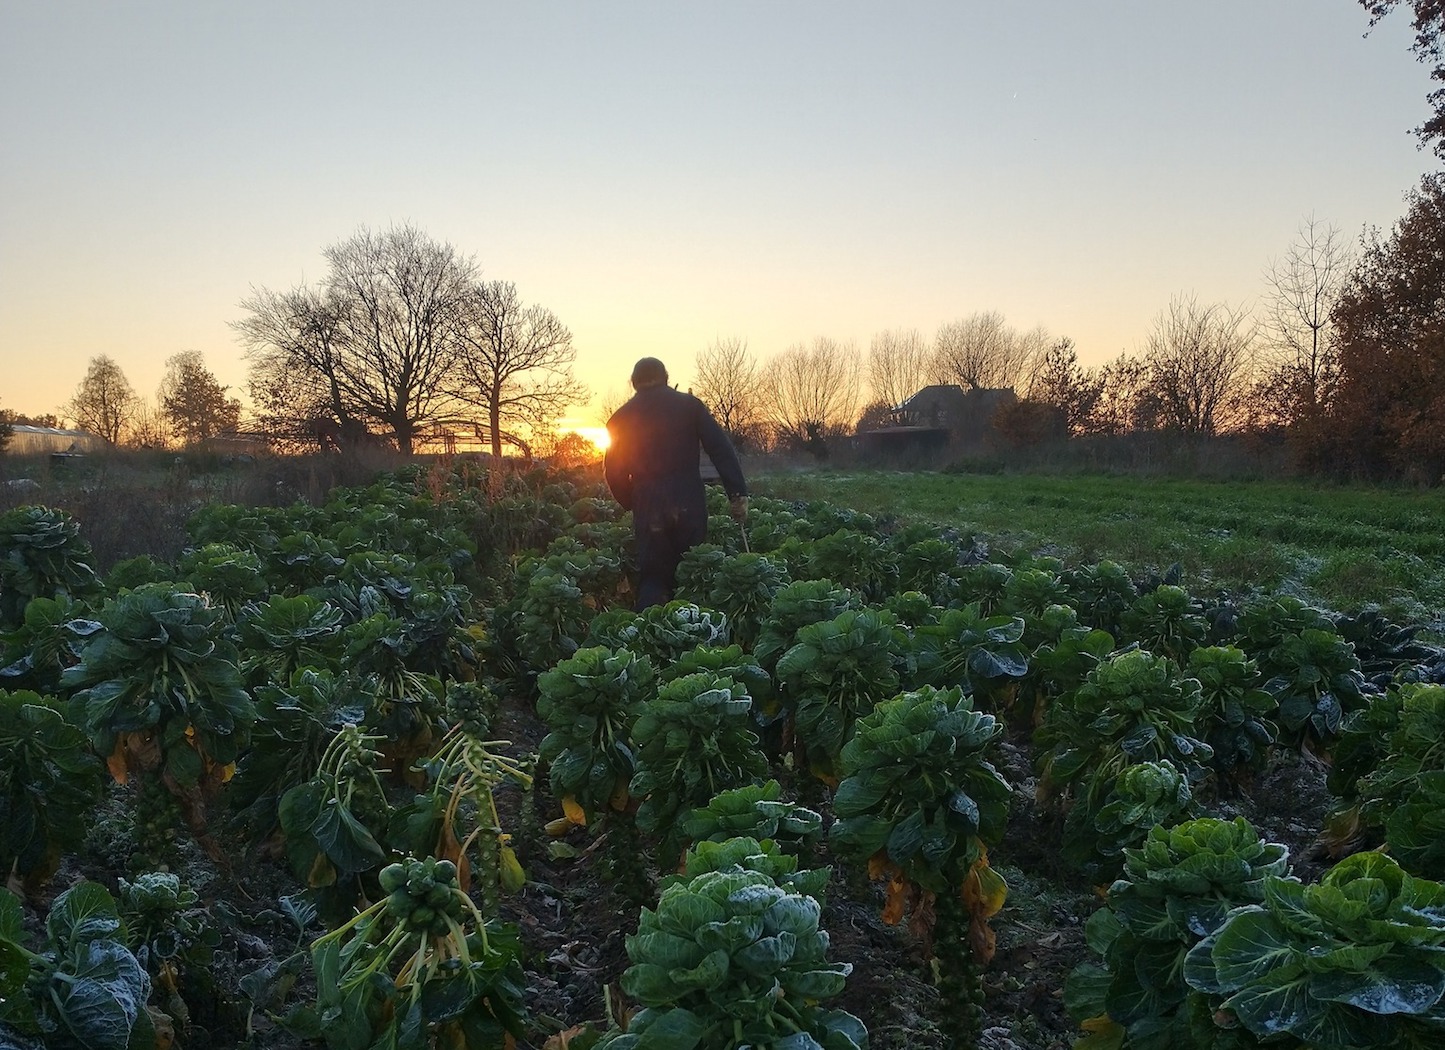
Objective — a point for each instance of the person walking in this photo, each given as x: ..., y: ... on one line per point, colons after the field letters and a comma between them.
x: 652, y: 470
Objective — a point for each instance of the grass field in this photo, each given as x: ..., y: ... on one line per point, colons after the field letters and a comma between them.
x: 1341, y: 546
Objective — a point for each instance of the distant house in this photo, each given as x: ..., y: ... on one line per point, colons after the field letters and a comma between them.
x: 938, y: 417
x: 966, y: 414
x: 902, y: 442
x: 40, y: 441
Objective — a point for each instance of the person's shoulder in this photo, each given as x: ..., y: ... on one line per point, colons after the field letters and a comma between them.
x: 624, y: 410
x: 688, y: 398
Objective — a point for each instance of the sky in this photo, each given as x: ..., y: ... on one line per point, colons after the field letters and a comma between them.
x: 664, y: 174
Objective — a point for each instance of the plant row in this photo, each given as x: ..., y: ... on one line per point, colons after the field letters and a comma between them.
x: 322, y: 681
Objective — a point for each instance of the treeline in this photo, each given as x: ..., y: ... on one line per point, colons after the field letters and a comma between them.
x: 189, y: 406
x: 1343, y: 361
x: 399, y: 344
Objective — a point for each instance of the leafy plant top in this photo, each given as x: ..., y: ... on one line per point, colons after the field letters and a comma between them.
x: 281, y: 635
x: 420, y: 968
x: 42, y: 555
x: 1357, y: 960
x: 1316, y: 680
x: 983, y: 654
x: 168, y: 928
x: 1235, y: 710
x: 297, y: 721
x: 590, y: 702
x: 666, y: 632
x: 1176, y: 889
x: 228, y: 575
x: 755, y: 811
x: 693, y: 740
x: 1167, y: 621
x: 731, y: 959
x: 1134, y: 707
x: 35, y: 653
x: 918, y: 788
x: 836, y: 673
x: 158, y: 664
x: 1143, y: 796
x: 1101, y: 592
x: 856, y: 561
x: 49, y: 782
x: 1404, y: 795
x: 795, y: 606
x: 742, y: 589
x: 82, y: 989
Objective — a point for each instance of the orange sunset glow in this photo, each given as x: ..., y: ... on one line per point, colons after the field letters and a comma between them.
x: 597, y: 435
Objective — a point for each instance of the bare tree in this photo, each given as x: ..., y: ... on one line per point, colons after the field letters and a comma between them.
x: 982, y: 352
x: 147, y: 427
x: 104, y: 402
x: 294, y: 341
x: 811, y: 392
x: 403, y: 295
x: 1304, y: 286
x: 1125, y: 402
x: 726, y: 380
x: 1030, y: 353
x: 1198, y: 358
x: 377, y: 341
x: 898, y: 365
x: 609, y: 401
x: 193, y: 402
x: 514, y: 363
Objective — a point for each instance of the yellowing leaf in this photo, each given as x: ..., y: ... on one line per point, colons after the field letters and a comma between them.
x: 563, y: 1040
x: 825, y: 774
x: 322, y: 872
x: 448, y: 848
x: 510, y: 869
x: 893, y: 905
x: 620, y: 797
x: 574, y: 812
x: 984, y: 890
x: 227, y: 772
x: 980, y: 939
x: 116, y: 763
x: 559, y: 827
x: 879, y: 866
x: 1104, y: 1034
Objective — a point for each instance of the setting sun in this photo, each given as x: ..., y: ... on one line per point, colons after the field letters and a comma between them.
x: 597, y: 435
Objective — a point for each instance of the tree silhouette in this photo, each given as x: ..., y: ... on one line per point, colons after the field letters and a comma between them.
x: 104, y: 402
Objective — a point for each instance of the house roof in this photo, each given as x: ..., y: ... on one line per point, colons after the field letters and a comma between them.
x: 938, y: 396
x: 21, y: 428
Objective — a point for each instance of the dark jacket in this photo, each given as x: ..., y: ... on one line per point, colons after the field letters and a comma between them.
x: 652, y: 460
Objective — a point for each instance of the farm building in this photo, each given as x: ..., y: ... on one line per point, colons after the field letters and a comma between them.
x: 40, y: 441
x: 966, y: 414
x: 937, y: 417
x: 902, y: 442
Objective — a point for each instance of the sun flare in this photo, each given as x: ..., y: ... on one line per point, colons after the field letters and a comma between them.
x: 597, y: 435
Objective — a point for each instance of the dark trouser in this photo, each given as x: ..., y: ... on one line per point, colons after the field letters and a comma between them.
x: 664, y: 534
